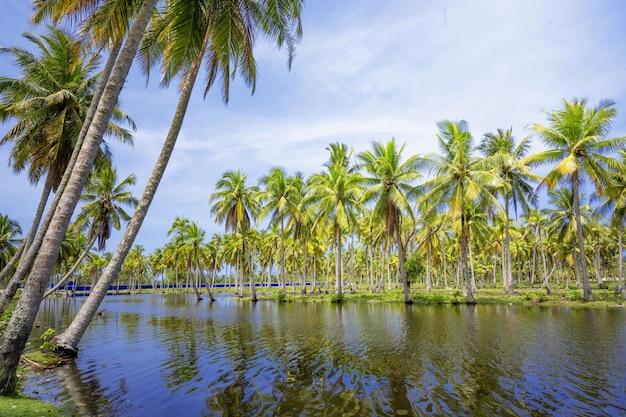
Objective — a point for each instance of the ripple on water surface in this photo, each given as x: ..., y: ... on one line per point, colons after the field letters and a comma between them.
x: 163, y: 355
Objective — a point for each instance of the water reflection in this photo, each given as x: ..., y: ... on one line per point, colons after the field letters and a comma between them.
x: 162, y: 355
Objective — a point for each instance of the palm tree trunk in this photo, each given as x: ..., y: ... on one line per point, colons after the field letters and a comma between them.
x: 19, y: 328
x: 68, y: 340
x: 620, y: 259
x: 282, y: 253
x: 401, y: 259
x: 507, y: 265
x: 464, y: 266
x: 587, y: 294
x: 338, y: 260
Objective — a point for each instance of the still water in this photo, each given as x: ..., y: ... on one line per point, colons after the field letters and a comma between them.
x: 168, y: 355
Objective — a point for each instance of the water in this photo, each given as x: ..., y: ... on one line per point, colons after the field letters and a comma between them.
x: 167, y: 355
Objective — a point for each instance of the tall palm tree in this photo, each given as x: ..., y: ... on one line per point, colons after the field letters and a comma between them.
x: 226, y: 39
x: 516, y: 188
x: 459, y: 181
x: 616, y: 202
x: 103, y: 212
x: 236, y: 205
x: 278, y: 200
x: 16, y: 335
x: 335, y: 194
x: 392, y: 182
x: 577, y: 141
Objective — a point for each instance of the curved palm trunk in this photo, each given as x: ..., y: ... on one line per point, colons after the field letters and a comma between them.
x: 45, y: 194
x: 208, y: 288
x: 19, y: 328
x: 68, y: 340
x: 304, y: 261
x: 248, y: 256
x: 587, y: 294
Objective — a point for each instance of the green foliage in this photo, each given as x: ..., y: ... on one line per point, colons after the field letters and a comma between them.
x: 46, y: 337
x: 336, y: 298
x: 4, y: 321
x: 415, y: 266
x: 280, y: 296
x: 575, y: 295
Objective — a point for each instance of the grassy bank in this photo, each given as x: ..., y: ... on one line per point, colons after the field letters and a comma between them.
x: 19, y: 405
x: 525, y: 296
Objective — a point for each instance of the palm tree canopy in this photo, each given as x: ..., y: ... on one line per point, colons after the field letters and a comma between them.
x: 235, y: 203
x: 576, y: 136
x: 106, y: 199
x: 391, y: 181
x: 48, y: 103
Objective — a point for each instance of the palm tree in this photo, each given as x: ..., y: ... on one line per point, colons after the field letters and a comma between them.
x: 15, y: 336
x: 460, y: 180
x: 616, y: 201
x: 226, y: 38
x: 515, y: 190
x: 9, y: 230
x: 577, y: 142
x: 277, y: 199
x: 334, y: 195
x: 48, y: 102
x: 103, y: 212
x: 191, y: 245
x: 391, y: 183
x: 236, y: 205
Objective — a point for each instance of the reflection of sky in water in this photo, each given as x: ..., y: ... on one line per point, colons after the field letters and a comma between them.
x: 162, y: 355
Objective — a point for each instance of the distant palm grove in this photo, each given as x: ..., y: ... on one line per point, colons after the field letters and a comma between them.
x: 475, y: 214
x: 465, y: 217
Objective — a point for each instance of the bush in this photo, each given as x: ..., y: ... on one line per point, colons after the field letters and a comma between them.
x: 575, y: 295
x: 280, y: 296
x: 542, y: 296
x: 336, y: 298
x: 46, y: 337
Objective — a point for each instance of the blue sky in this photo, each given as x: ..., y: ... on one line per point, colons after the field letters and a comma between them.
x: 365, y: 71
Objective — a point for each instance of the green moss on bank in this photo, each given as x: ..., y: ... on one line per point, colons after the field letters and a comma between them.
x: 21, y: 406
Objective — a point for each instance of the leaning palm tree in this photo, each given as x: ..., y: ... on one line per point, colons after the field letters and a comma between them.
x: 236, y: 205
x: 391, y: 182
x: 224, y: 35
x: 516, y: 189
x: 460, y: 180
x: 577, y: 141
x: 18, y: 330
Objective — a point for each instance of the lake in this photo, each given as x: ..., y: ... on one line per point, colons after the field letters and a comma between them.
x: 168, y: 355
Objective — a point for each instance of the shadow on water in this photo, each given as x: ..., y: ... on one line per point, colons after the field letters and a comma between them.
x: 162, y: 355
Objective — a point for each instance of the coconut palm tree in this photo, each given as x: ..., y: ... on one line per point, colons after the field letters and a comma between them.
x: 236, y: 204
x: 391, y: 182
x: 578, y: 144
x: 278, y: 200
x: 103, y: 212
x: 460, y: 180
x: 226, y: 38
x: 335, y: 195
x: 15, y: 336
x: 516, y: 189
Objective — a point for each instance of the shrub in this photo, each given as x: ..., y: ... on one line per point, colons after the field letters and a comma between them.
x: 336, y: 298
x: 280, y: 296
x: 47, y: 337
x: 575, y: 295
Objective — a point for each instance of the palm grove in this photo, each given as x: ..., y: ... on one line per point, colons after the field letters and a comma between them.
x: 464, y: 217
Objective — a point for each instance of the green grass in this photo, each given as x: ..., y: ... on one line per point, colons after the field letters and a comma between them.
x: 20, y: 406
